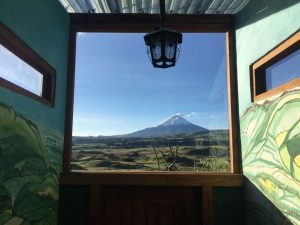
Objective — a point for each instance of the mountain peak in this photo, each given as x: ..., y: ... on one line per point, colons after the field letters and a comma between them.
x: 173, y: 121
x: 171, y: 126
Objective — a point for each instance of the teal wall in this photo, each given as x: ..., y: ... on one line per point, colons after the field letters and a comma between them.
x: 32, y: 134
x: 269, y: 129
x: 44, y: 26
x: 260, y: 26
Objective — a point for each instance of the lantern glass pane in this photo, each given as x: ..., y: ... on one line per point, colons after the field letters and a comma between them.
x: 156, y: 49
x: 170, y: 50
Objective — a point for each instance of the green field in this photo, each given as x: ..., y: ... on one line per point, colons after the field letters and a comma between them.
x: 202, y: 151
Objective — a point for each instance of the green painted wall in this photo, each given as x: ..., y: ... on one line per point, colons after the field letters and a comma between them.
x: 270, y: 136
x: 269, y: 129
x: 260, y: 27
x: 32, y: 134
x: 44, y: 26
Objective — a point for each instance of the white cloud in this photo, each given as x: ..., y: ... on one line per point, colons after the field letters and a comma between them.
x: 210, y: 120
x: 192, y: 115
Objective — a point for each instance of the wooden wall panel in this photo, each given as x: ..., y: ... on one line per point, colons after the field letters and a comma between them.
x: 127, y: 205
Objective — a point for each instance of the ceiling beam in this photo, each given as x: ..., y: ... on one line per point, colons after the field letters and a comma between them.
x: 82, y: 22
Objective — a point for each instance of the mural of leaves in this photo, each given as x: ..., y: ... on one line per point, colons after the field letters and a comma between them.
x: 270, y: 138
x: 30, y: 157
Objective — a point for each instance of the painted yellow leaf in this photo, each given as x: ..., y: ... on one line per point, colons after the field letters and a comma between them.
x: 297, y: 160
x: 280, y: 138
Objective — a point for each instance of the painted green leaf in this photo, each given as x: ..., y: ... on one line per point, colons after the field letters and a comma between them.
x: 271, y: 151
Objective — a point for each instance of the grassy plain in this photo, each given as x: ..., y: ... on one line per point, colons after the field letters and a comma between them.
x: 202, y: 151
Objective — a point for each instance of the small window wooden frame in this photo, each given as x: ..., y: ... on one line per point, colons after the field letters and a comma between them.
x: 15, y: 45
x: 258, y: 69
x: 146, y: 23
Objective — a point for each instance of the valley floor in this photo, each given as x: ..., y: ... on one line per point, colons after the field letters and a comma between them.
x: 206, y: 151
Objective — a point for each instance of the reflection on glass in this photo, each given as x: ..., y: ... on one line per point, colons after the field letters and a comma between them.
x: 129, y: 116
x: 169, y: 50
x: 283, y: 71
x: 157, y: 51
x: 18, y: 72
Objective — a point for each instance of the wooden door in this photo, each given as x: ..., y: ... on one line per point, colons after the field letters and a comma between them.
x: 127, y: 205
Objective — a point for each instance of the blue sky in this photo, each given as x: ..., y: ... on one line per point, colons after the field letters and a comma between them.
x: 283, y: 71
x: 15, y: 70
x: 117, y: 90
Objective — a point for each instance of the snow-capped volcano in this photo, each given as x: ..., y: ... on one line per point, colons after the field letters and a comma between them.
x: 168, y: 127
x: 174, y: 120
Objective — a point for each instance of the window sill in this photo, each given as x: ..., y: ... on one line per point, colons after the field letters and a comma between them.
x: 153, y: 179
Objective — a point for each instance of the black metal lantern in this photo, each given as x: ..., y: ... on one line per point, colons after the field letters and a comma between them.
x: 163, y: 44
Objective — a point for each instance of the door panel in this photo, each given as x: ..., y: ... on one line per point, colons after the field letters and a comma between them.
x: 125, y: 205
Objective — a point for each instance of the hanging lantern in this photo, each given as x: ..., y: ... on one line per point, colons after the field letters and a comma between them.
x: 163, y: 47
x: 163, y: 44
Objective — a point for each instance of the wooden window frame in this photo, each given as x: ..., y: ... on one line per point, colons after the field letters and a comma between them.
x: 132, y: 23
x: 20, y: 49
x: 258, y: 69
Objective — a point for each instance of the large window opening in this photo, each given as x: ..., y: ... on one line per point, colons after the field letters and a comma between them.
x: 129, y: 116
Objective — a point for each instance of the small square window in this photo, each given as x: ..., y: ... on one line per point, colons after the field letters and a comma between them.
x: 23, y: 71
x: 285, y: 70
x: 278, y: 70
x: 15, y: 70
